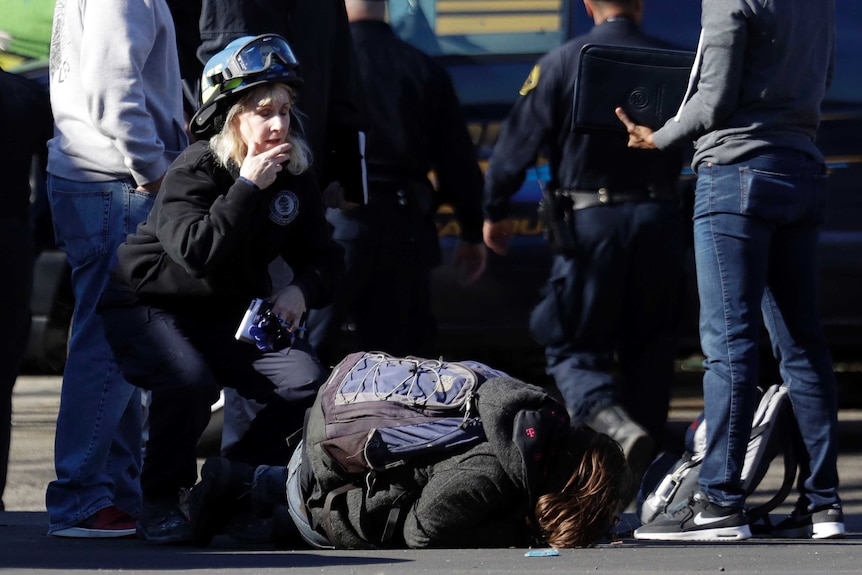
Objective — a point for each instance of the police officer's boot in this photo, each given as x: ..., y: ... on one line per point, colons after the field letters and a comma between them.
x: 636, y: 442
x: 223, y: 492
x: 256, y: 521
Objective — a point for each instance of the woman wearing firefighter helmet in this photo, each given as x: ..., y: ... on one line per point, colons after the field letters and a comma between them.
x: 228, y: 207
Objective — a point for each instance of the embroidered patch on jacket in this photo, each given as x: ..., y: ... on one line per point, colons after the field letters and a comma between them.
x: 531, y: 82
x: 284, y: 208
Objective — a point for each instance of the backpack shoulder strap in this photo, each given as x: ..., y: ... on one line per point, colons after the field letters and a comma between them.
x: 773, y: 434
x: 327, y: 508
x: 761, y: 512
x: 401, y: 500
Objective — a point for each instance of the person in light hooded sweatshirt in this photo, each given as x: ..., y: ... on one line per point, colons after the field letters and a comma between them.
x: 116, y: 97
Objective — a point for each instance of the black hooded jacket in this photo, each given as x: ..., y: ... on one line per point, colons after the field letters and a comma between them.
x: 481, y: 497
x: 210, y: 237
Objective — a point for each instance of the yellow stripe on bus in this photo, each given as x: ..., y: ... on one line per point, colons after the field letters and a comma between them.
x: 454, y: 25
x: 522, y: 6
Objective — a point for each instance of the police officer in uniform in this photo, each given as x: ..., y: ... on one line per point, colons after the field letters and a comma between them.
x: 391, y: 245
x: 608, y: 312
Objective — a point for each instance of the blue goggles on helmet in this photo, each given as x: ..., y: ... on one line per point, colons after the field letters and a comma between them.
x: 243, y: 64
x: 259, y: 55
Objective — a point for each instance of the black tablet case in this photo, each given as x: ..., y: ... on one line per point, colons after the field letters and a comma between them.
x: 648, y: 83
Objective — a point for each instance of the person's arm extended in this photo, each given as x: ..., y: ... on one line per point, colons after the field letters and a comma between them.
x: 458, y: 178
x: 531, y: 122
x: 720, y: 77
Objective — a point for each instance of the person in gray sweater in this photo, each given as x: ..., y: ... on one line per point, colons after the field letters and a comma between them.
x: 760, y: 75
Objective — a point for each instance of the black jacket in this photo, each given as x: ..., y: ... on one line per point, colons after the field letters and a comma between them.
x: 482, y: 497
x: 27, y: 125
x: 540, y: 123
x: 415, y: 125
x: 208, y: 241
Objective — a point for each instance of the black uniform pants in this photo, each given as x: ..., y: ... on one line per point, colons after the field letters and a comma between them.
x: 389, y: 252
x: 184, y: 361
x: 610, y: 312
x: 16, y: 261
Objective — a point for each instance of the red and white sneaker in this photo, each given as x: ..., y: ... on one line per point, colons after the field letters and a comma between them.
x: 104, y: 523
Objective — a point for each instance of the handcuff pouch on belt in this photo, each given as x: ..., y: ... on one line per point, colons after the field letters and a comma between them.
x: 558, y: 221
x: 418, y: 197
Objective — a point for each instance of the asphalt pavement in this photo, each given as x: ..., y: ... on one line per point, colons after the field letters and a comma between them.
x: 25, y: 547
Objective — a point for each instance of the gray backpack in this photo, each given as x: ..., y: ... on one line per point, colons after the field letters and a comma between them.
x: 381, y: 411
x: 672, y: 479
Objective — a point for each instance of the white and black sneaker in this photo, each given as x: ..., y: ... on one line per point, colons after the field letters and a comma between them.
x: 697, y: 520
x: 821, y: 523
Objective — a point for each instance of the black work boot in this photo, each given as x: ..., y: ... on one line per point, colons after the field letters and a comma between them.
x: 164, y: 522
x: 223, y: 491
x: 254, y: 523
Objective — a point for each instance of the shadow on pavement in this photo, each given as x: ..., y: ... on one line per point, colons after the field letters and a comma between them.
x: 24, y: 544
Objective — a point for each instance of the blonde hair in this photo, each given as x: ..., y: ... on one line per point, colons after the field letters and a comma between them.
x: 229, y: 146
x: 584, y: 508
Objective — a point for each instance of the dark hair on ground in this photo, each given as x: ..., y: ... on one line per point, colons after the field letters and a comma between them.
x: 584, y: 503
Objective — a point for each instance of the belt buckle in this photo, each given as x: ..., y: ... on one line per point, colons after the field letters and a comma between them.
x: 604, y: 196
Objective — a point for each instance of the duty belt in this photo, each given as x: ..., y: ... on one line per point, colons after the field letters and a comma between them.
x: 402, y: 193
x: 582, y: 199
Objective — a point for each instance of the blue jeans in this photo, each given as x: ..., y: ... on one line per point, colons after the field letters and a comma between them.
x: 755, y: 236
x: 97, y: 451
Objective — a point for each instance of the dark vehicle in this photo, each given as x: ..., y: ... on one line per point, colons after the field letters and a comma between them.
x: 489, y: 49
